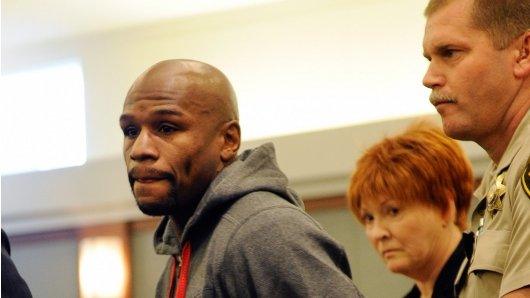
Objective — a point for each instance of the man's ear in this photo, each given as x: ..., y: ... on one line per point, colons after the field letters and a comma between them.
x: 522, y: 65
x: 231, y: 142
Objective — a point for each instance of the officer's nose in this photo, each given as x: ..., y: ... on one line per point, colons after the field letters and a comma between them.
x: 434, y: 77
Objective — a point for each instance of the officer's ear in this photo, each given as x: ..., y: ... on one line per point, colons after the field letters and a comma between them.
x: 522, y: 65
x: 231, y: 140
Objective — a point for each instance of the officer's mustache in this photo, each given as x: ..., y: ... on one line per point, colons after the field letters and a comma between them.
x: 437, y: 97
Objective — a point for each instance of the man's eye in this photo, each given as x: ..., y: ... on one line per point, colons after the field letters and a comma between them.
x: 166, y: 128
x: 449, y: 53
x: 130, y: 132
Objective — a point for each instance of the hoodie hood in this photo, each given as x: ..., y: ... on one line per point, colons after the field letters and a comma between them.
x: 253, y: 170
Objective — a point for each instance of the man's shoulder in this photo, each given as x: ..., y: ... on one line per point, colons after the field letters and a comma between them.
x: 518, y: 169
x: 266, y: 213
x: 252, y: 204
x: 513, y: 171
x: 521, y: 158
x: 518, y: 152
x: 258, y: 212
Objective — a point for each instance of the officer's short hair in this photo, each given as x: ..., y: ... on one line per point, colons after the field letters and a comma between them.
x: 503, y: 20
x: 420, y: 166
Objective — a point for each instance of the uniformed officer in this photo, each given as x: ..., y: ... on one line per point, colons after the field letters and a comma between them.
x: 479, y: 73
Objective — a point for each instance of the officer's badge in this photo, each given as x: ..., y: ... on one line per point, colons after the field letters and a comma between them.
x: 496, y: 194
x: 525, y: 179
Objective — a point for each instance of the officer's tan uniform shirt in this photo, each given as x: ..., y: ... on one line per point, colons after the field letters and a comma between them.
x: 501, y: 259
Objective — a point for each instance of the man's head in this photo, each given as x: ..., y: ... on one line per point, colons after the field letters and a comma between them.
x: 479, y: 53
x: 503, y: 20
x: 180, y: 126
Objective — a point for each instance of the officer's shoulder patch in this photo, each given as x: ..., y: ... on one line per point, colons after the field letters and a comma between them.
x: 525, y: 179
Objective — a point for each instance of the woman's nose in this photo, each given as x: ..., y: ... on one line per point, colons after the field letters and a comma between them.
x: 379, y: 230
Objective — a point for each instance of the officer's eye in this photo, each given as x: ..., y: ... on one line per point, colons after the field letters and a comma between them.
x: 449, y: 52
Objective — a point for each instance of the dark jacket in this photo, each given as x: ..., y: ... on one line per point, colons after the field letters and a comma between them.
x: 13, y: 285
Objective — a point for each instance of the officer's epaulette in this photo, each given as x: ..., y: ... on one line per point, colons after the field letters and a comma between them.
x: 525, y: 178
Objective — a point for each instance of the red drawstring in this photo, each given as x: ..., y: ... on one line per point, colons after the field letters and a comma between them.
x: 184, y: 270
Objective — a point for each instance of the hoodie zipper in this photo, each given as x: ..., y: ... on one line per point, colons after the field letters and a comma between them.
x: 179, y: 287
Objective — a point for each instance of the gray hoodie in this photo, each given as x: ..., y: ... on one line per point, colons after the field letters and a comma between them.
x: 250, y: 237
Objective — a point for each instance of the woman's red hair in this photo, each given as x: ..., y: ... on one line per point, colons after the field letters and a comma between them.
x: 421, y: 165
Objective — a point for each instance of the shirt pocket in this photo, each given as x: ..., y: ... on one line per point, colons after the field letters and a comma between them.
x: 490, y: 252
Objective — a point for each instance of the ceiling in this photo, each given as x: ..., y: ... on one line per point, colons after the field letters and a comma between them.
x: 32, y: 21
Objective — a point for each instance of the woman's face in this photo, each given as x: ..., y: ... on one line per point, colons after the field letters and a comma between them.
x: 409, y: 237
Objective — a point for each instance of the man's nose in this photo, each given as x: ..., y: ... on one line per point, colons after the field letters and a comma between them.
x: 144, y: 147
x: 433, y: 78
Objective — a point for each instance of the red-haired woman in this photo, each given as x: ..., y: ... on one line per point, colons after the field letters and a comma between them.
x: 412, y: 193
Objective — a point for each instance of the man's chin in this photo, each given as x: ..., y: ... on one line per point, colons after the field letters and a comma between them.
x: 156, y: 208
x: 457, y: 131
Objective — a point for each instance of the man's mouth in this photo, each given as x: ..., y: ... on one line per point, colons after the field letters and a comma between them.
x: 147, y: 175
x: 148, y: 179
x: 442, y: 101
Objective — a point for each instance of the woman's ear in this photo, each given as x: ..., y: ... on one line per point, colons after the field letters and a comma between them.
x: 522, y: 65
x: 231, y: 141
x: 449, y: 215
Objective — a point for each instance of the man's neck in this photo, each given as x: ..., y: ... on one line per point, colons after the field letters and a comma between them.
x: 496, y: 142
x: 496, y: 146
x: 181, y: 218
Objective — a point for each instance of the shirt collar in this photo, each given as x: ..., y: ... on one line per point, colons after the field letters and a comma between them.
x: 517, y: 141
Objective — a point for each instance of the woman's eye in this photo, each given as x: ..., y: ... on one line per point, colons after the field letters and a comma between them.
x: 393, y: 211
x: 130, y: 132
x: 367, y: 218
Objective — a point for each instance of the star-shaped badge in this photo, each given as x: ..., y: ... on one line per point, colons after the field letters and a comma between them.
x: 496, y: 194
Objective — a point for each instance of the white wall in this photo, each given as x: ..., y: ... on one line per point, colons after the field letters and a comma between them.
x: 324, y: 63
x: 290, y: 62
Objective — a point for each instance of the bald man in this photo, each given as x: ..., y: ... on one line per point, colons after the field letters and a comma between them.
x: 231, y: 226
